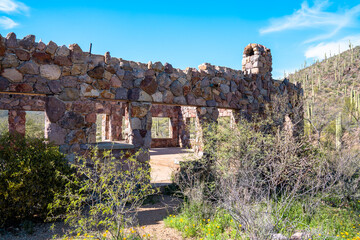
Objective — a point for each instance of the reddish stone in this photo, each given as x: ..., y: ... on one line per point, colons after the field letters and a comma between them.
x: 42, y: 58
x: 149, y: 73
x: 23, y: 87
x: 27, y: 42
x: 102, y: 84
x: 197, y: 91
x: 134, y: 94
x: 17, y: 121
x: 90, y: 118
x: 75, y: 137
x: 217, y: 98
x: 97, y: 72
x: 2, y: 46
x: 186, y: 90
x: 71, y: 120
x: 54, y: 108
x: 22, y: 54
x: 168, y: 97
x: 83, y: 106
x: 11, y: 41
x: 195, y: 76
x: 115, y: 81
x: 4, y: 83
x: 191, y: 99
x: 29, y: 68
x: 107, y: 94
x: 69, y: 94
x: 63, y: 60
x: 41, y: 86
x: 149, y: 85
x: 121, y: 93
x: 55, y: 133
x: 77, y: 55
x: 69, y: 82
x: 55, y: 86
x: 229, y: 96
x: 110, y: 69
x: 168, y: 68
x: 139, y: 111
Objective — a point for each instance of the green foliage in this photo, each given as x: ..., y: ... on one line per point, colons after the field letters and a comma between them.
x: 104, y: 193
x: 4, y: 124
x: 161, y: 127
x: 267, y: 182
x: 29, y: 178
x: 332, y: 221
x: 35, y: 124
x: 192, y: 222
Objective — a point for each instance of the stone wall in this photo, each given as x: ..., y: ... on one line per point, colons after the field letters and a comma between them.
x: 72, y: 86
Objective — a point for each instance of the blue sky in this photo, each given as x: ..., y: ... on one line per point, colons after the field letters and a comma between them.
x: 187, y: 33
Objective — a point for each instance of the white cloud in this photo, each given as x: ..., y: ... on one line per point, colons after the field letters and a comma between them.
x: 314, y: 17
x: 7, y: 23
x: 318, y: 51
x: 10, y: 6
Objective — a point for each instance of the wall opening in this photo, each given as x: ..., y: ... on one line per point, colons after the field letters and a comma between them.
x: 161, y: 127
x: 123, y: 129
x: 102, y: 127
x: 35, y: 124
x: 191, y: 127
x: 249, y: 51
x: 4, y: 122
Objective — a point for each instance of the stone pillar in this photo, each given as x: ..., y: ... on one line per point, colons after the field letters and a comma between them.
x: 17, y: 120
x: 205, y: 117
x: 257, y: 60
x: 140, y: 123
x: 66, y: 127
x: 184, y: 131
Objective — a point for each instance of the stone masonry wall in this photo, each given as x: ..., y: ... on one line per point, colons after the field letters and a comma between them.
x: 72, y: 86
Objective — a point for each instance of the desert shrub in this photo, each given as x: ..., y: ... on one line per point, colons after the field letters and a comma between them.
x: 29, y: 178
x: 194, y: 223
x: 104, y: 193
x: 271, y: 182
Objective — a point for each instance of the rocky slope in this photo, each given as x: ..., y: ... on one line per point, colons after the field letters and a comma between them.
x: 331, y: 87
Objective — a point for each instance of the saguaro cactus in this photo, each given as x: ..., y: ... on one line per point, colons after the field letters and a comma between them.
x: 338, y: 132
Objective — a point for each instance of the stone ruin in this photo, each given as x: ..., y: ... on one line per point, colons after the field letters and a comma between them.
x: 72, y: 86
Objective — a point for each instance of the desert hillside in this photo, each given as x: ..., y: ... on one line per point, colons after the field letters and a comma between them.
x: 331, y: 91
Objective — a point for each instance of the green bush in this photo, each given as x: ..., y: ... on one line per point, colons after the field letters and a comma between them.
x: 269, y: 182
x: 104, y: 194
x: 29, y: 178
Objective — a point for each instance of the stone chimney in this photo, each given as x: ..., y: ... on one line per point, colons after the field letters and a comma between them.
x: 257, y: 60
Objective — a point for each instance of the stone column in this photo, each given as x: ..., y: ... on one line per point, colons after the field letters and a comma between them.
x: 184, y: 131
x: 205, y: 117
x: 17, y: 120
x: 66, y: 127
x: 140, y: 123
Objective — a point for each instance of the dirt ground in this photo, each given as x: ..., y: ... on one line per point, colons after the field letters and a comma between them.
x: 151, y: 217
x: 163, y: 161
x: 150, y: 221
